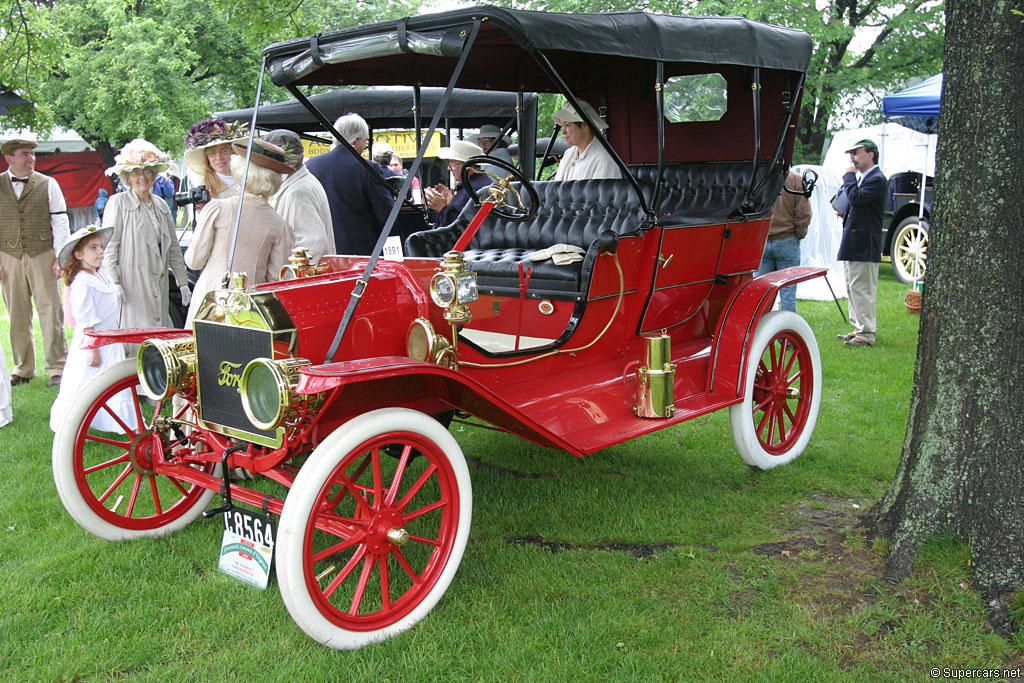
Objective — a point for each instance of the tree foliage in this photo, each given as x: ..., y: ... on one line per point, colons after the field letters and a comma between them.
x: 114, y: 70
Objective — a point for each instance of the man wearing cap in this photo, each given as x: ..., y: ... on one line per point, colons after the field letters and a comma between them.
x: 449, y: 203
x: 33, y: 221
x: 381, y: 157
x: 302, y: 201
x: 861, y: 246
x: 586, y: 158
x: 488, y: 135
x: 360, y: 204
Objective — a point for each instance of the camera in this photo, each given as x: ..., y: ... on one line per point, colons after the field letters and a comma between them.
x: 195, y: 195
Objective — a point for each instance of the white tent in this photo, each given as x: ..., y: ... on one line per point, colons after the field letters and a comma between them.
x: 899, y: 149
x: 821, y: 245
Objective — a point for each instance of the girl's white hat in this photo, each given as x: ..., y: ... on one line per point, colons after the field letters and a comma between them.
x: 77, y: 236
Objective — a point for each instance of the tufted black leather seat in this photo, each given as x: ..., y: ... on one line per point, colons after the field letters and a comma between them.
x: 576, y: 211
x: 694, y: 194
x: 569, y: 212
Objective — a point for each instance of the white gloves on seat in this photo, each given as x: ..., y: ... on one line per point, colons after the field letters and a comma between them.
x: 560, y: 254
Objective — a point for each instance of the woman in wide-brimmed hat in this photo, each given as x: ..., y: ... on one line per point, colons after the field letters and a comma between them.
x: 448, y: 203
x: 144, y: 245
x: 208, y: 154
x: 264, y: 239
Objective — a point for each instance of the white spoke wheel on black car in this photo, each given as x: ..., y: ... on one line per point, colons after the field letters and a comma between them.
x: 106, y: 480
x: 781, y: 392
x: 369, y: 542
x: 910, y: 250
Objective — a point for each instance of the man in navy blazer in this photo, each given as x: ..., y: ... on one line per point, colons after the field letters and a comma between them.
x: 359, y: 202
x: 861, y: 247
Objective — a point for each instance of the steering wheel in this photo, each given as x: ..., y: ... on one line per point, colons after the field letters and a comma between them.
x: 501, y: 188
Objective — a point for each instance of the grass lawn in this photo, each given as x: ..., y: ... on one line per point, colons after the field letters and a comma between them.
x: 665, y: 558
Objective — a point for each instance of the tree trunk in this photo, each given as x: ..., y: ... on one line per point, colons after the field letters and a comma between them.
x: 962, y: 465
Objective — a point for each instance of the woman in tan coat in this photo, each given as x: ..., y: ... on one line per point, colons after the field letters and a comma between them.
x: 264, y: 240
x: 143, y: 246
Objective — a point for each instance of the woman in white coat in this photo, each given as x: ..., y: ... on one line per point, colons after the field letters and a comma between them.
x: 144, y: 245
x: 264, y: 239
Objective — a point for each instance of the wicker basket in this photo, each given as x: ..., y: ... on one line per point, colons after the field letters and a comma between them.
x: 913, y: 301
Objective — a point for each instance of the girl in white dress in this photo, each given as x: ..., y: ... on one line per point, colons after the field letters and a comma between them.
x: 95, y: 303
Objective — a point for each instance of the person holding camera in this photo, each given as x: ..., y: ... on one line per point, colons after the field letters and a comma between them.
x: 143, y: 246
x: 208, y: 155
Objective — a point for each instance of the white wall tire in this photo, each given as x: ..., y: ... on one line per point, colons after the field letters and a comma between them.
x: 96, y: 472
x: 781, y: 392
x: 909, y: 251
x: 328, y: 542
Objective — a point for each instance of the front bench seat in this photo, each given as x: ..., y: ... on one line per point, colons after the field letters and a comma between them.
x: 570, y: 212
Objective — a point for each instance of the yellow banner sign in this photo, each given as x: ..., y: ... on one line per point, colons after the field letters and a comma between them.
x: 312, y: 148
x: 402, y: 141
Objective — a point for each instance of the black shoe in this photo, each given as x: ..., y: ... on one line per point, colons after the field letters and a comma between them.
x: 18, y: 379
x: 846, y: 337
x: 53, y: 381
x: 857, y: 341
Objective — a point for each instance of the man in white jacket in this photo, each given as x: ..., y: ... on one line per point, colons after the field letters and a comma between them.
x: 302, y: 201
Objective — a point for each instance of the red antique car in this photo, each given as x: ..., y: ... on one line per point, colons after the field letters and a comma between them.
x: 337, y: 383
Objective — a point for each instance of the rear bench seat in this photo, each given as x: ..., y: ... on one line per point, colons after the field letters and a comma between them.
x: 576, y: 211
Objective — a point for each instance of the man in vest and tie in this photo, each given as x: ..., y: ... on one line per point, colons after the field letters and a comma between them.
x: 33, y: 223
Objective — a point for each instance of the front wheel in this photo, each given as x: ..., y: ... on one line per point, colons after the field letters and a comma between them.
x: 369, y: 542
x: 103, y: 455
x: 781, y: 392
x: 910, y: 250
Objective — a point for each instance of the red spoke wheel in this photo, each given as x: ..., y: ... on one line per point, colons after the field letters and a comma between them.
x: 781, y: 392
x: 103, y: 456
x: 369, y: 542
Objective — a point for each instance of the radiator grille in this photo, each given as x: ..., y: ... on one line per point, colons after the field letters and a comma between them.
x: 222, y: 353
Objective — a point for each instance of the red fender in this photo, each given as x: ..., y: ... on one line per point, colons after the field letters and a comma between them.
x: 399, y: 381
x: 738, y: 321
x: 134, y: 336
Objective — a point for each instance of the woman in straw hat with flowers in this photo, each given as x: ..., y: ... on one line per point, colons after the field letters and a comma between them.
x: 143, y: 246
x: 208, y: 155
x: 264, y: 239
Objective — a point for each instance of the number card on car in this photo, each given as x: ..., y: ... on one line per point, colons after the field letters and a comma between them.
x: 247, y: 549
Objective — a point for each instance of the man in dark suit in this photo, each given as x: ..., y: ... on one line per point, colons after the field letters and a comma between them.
x: 861, y: 247
x: 360, y: 204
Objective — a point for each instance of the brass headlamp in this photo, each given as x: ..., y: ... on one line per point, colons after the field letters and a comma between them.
x: 453, y: 288
x: 268, y: 391
x: 166, y: 367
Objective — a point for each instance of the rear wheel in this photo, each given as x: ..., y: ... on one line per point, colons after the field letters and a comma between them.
x: 367, y: 544
x: 781, y: 392
x: 105, y: 479
x: 910, y: 250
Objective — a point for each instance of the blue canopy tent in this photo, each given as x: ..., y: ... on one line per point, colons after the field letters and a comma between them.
x: 916, y: 107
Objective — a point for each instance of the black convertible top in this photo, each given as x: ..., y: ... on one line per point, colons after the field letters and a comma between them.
x: 505, y: 34
x: 390, y: 108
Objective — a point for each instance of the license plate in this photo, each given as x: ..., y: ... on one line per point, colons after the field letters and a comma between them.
x: 247, y: 548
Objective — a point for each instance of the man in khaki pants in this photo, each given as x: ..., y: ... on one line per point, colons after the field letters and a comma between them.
x: 33, y: 222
